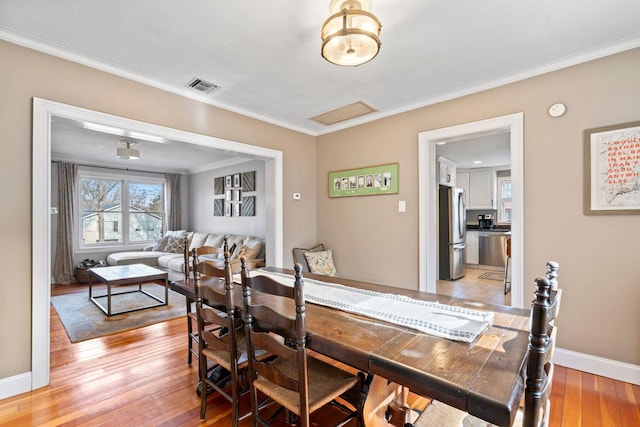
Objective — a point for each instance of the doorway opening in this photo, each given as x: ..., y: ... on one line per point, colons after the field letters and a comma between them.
x: 43, y: 112
x: 428, y: 184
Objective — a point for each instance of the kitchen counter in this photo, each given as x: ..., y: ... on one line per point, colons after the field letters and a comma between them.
x: 496, y: 229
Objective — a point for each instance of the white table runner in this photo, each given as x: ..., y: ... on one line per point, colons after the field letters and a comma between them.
x: 455, y: 323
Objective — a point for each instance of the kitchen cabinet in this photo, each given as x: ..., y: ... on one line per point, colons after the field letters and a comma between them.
x: 473, y: 250
x: 462, y: 181
x: 446, y: 172
x: 482, y: 190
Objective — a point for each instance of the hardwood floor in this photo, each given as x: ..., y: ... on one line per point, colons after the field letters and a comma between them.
x: 141, y: 378
x: 473, y: 287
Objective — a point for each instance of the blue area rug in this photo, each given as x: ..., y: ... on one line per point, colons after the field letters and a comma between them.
x: 83, y: 320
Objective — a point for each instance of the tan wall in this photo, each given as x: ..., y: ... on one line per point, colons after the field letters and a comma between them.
x: 598, y: 255
x: 599, y: 270
x: 25, y: 74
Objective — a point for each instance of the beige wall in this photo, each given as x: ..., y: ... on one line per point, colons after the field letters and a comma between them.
x: 598, y: 255
x: 25, y: 74
x: 599, y: 270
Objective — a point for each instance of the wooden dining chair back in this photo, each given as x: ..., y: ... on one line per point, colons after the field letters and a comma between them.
x: 220, y: 336
x: 542, y: 342
x: 274, y: 316
x: 188, y: 260
x: 192, y: 333
x: 539, y: 372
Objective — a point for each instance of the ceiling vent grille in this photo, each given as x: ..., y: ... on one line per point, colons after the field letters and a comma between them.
x: 202, y: 85
x: 347, y: 112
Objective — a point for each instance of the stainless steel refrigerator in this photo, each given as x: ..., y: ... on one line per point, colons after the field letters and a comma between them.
x: 452, y: 219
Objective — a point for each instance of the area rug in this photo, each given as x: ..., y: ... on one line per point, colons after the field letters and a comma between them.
x: 491, y: 275
x: 83, y: 320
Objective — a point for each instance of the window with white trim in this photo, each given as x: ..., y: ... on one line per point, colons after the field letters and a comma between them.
x: 504, y: 200
x: 119, y: 211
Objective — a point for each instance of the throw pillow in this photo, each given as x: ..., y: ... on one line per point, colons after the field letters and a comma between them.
x: 250, y: 250
x: 160, y: 244
x: 299, y: 258
x: 321, y: 262
x: 175, y: 245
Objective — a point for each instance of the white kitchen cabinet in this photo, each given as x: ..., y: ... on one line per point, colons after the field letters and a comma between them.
x: 472, y: 252
x: 446, y: 172
x: 482, y: 190
x: 462, y: 181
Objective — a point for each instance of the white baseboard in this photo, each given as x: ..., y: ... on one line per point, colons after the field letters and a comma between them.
x: 598, y: 365
x: 15, y: 385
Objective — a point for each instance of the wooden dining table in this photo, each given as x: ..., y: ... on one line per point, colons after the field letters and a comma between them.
x: 484, y: 378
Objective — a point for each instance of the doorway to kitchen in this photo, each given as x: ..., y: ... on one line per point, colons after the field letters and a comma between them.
x: 428, y: 185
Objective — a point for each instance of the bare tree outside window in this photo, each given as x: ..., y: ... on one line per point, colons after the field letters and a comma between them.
x: 120, y: 211
x: 100, y: 205
x: 146, y: 205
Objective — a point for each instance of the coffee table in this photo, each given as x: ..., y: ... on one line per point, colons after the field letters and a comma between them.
x: 127, y: 275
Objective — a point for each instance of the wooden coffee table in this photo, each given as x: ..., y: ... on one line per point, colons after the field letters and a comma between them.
x: 127, y: 275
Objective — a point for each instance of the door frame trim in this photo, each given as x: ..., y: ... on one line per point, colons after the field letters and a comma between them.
x: 427, y: 186
x: 43, y: 111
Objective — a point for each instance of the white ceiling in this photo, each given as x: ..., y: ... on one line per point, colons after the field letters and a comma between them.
x: 265, y: 55
x: 72, y: 142
x: 490, y: 150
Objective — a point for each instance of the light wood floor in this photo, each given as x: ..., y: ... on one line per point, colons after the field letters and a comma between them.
x: 471, y: 286
x: 141, y: 378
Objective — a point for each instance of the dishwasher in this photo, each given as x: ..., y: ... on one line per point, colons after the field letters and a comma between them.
x: 492, y: 248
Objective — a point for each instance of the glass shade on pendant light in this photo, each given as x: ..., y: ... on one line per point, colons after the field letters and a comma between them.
x: 350, y: 36
x: 127, y: 152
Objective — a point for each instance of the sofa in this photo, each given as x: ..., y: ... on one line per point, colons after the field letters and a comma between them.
x: 170, y: 252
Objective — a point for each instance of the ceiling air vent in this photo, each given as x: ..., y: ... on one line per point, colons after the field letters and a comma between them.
x: 347, y: 112
x: 202, y: 85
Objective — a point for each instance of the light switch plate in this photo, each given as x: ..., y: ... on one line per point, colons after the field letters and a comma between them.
x: 402, y: 206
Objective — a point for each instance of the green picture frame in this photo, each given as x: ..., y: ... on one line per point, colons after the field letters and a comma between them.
x: 367, y: 181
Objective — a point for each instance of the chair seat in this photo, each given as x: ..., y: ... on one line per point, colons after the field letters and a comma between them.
x: 223, y: 357
x: 325, y: 382
x: 438, y: 414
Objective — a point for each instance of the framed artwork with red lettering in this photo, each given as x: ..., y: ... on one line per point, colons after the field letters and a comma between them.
x: 612, y: 170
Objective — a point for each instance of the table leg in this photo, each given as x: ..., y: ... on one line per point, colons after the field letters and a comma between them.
x: 166, y: 290
x: 108, y: 298
x: 387, y: 405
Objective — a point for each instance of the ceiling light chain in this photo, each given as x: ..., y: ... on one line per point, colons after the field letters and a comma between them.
x: 350, y: 36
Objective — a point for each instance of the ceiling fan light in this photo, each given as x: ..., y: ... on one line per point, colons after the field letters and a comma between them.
x: 350, y: 37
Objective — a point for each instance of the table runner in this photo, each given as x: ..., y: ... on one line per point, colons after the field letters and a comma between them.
x: 433, y: 318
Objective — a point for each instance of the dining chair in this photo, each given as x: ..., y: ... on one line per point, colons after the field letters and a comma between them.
x: 539, y: 372
x: 221, y: 338
x: 202, y: 250
x: 274, y: 318
x: 189, y: 266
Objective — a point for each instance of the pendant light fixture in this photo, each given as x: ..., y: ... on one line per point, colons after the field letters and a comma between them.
x: 127, y: 152
x: 351, y: 35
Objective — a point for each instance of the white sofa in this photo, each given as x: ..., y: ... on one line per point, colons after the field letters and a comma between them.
x: 171, y: 257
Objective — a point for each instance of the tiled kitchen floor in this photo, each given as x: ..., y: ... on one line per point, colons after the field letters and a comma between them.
x: 472, y: 287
